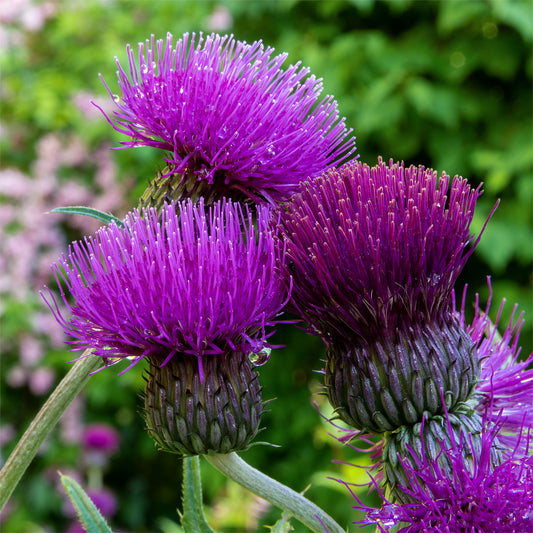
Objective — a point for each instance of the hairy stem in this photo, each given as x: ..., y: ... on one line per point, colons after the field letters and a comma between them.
x: 43, y: 423
x: 232, y: 466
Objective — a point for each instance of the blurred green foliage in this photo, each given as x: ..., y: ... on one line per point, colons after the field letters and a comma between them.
x: 444, y: 84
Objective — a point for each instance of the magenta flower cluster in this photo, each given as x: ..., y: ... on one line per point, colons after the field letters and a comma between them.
x: 368, y: 256
x: 229, y: 114
x: 374, y: 254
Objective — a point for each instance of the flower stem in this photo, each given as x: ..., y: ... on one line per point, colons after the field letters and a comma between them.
x: 43, y: 423
x: 232, y: 466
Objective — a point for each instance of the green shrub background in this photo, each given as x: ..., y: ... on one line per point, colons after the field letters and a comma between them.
x: 446, y: 84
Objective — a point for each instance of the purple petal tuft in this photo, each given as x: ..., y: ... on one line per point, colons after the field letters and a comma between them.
x: 229, y: 114
x: 374, y: 249
x: 196, y: 281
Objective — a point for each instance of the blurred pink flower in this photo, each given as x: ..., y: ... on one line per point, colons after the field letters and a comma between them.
x: 102, y: 438
x: 41, y: 380
x: 31, y: 350
x: 220, y: 19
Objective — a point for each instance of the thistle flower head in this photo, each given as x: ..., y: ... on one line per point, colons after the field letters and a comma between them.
x: 192, y: 290
x: 375, y: 249
x: 470, y: 495
x: 229, y: 115
x: 194, y: 282
x: 374, y: 254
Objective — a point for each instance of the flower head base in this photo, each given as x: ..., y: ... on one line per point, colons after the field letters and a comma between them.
x: 375, y: 249
x: 187, y: 416
x: 192, y: 291
x: 390, y: 383
x: 235, y: 123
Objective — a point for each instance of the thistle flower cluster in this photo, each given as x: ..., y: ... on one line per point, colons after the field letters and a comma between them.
x: 193, y: 287
x: 367, y: 256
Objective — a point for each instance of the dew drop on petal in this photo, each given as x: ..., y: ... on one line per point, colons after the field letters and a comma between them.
x: 261, y: 357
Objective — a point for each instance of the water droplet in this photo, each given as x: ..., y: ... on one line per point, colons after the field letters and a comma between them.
x: 145, y: 69
x: 261, y: 357
x: 434, y: 280
x: 117, y: 99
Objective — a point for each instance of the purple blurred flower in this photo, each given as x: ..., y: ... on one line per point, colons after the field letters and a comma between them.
x: 104, y: 500
x: 100, y: 437
x: 476, y: 496
x: 230, y: 115
x: 190, y: 282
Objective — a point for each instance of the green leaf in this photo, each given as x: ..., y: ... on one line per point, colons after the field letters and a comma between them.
x: 89, y: 516
x: 193, y: 518
x: 106, y: 218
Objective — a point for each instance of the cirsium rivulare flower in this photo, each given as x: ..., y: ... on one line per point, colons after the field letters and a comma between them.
x: 235, y: 123
x: 159, y: 287
x: 372, y: 249
x: 192, y: 290
x: 374, y: 253
x: 469, y: 495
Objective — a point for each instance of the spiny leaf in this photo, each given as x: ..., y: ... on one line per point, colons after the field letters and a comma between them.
x: 282, y: 525
x: 89, y: 516
x: 193, y: 518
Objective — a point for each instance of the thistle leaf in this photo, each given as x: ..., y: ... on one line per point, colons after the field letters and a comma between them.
x: 106, y: 218
x: 282, y: 525
x: 87, y: 512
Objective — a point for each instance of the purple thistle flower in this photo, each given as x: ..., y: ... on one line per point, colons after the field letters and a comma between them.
x: 229, y: 116
x: 468, y: 496
x: 192, y: 290
x: 99, y: 442
x: 375, y: 249
x: 374, y: 254
x: 159, y: 288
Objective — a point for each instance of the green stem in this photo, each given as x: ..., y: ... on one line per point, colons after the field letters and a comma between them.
x: 43, y: 423
x: 232, y: 466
